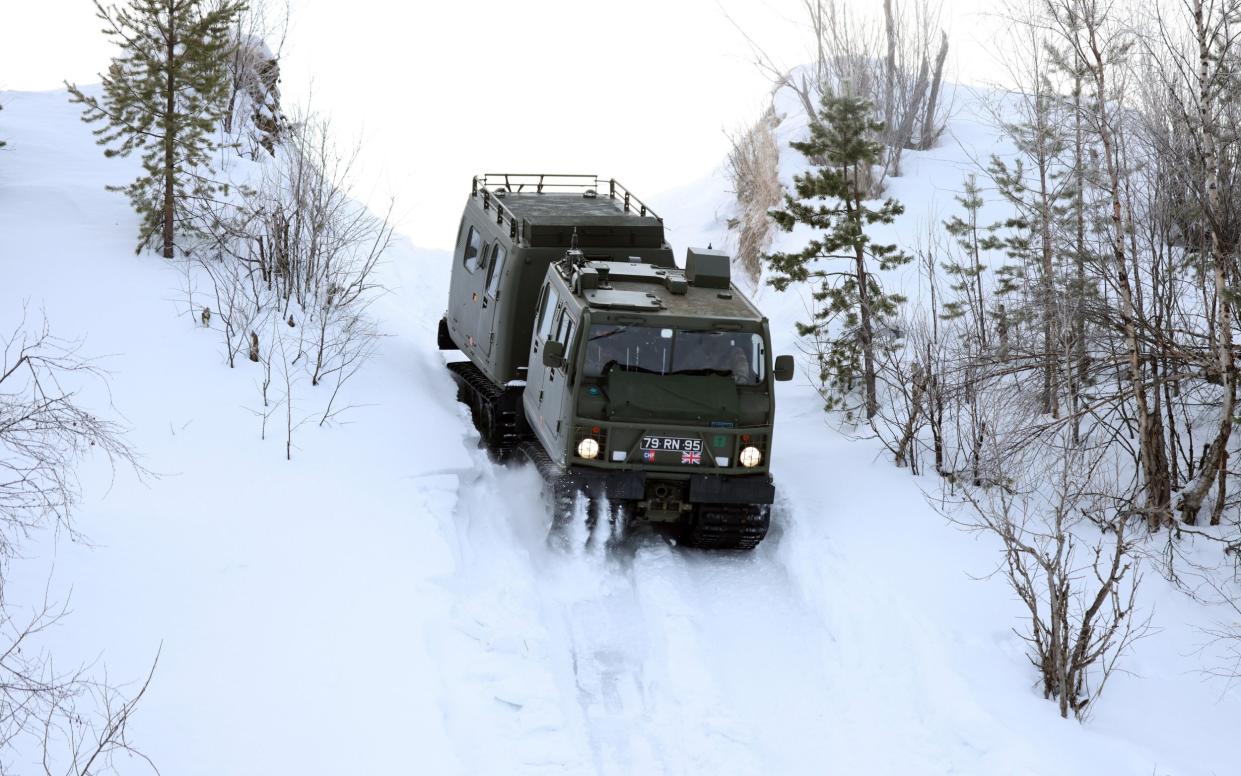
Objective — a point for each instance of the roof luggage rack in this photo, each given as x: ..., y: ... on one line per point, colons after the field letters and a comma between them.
x: 493, y: 187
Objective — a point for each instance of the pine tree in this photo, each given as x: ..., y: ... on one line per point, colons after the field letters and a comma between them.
x: 1039, y: 188
x: 163, y: 96
x: 967, y: 270
x: 832, y: 197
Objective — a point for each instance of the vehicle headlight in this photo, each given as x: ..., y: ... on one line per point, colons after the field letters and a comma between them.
x: 588, y: 448
x: 750, y: 457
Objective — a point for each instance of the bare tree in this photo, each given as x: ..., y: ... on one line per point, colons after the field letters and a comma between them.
x: 1096, y: 39
x: 45, y: 432
x: 912, y: 374
x: 77, y: 721
x: 286, y: 352
x: 907, y: 375
x: 905, y: 87
x: 1081, y: 611
x: 1225, y: 637
x: 1197, y: 78
x: 237, y: 297
x: 294, y: 256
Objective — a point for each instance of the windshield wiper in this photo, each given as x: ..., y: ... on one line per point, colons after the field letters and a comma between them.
x: 609, y: 366
x: 607, y: 334
x: 704, y: 371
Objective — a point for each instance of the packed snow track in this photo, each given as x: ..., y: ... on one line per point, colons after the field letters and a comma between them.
x: 657, y: 659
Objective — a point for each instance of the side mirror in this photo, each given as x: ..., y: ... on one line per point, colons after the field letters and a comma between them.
x: 784, y: 368
x: 553, y: 354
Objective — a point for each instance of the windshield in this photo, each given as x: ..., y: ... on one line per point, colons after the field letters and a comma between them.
x: 675, y: 351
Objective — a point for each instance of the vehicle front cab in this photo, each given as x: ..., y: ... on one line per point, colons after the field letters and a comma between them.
x: 666, y: 410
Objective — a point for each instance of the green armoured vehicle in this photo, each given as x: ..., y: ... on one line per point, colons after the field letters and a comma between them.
x: 619, y: 374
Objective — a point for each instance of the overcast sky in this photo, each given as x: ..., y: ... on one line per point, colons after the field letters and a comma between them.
x: 640, y: 90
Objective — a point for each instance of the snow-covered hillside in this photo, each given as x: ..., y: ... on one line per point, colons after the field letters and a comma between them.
x: 386, y: 601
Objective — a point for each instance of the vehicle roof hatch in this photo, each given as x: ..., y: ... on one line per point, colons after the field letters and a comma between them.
x: 616, y: 299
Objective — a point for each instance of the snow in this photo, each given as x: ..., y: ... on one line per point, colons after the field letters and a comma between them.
x: 388, y: 602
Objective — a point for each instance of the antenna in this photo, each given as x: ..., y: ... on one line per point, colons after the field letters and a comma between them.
x: 573, y: 257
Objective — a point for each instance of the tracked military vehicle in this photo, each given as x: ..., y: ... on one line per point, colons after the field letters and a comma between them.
x: 619, y: 374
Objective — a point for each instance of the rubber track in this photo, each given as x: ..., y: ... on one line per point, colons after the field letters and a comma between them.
x: 726, y: 527
x: 533, y: 452
x: 713, y: 527
x: 498, y: 425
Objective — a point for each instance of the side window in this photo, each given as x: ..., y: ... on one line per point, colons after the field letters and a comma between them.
x: 568, y: 340
x: 473, y: 250
x: 564, y: 333
x: 561, y: 319
x: 495, y: 270
x: 550, y: 301
x: 758, y: 360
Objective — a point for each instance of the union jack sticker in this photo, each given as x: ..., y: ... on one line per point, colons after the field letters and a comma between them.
x: 691, y: 458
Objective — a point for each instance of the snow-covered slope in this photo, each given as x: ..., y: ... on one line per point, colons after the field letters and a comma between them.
x: 386, y: 601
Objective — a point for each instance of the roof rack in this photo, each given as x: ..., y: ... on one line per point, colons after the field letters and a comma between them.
x: 493, y: 186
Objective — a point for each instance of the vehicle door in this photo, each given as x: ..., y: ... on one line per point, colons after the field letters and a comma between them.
x: 556, y: 393
x: 536, y: 373
x: 491, y: 298
x: 468, y: 279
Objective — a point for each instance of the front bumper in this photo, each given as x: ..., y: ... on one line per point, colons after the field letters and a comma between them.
x: 631, y: 485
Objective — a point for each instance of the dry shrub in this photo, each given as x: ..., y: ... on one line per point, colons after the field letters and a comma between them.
x: 753, y: 171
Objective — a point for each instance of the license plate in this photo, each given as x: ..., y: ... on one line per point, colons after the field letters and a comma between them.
x: 661, y: 444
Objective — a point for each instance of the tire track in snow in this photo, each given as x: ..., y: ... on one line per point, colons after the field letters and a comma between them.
x: 650, y: 695
x: 758, y: 656
x: 590, y: 599
x: 501, y: 694
x: 567, y: 656
x: 703, y: 726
